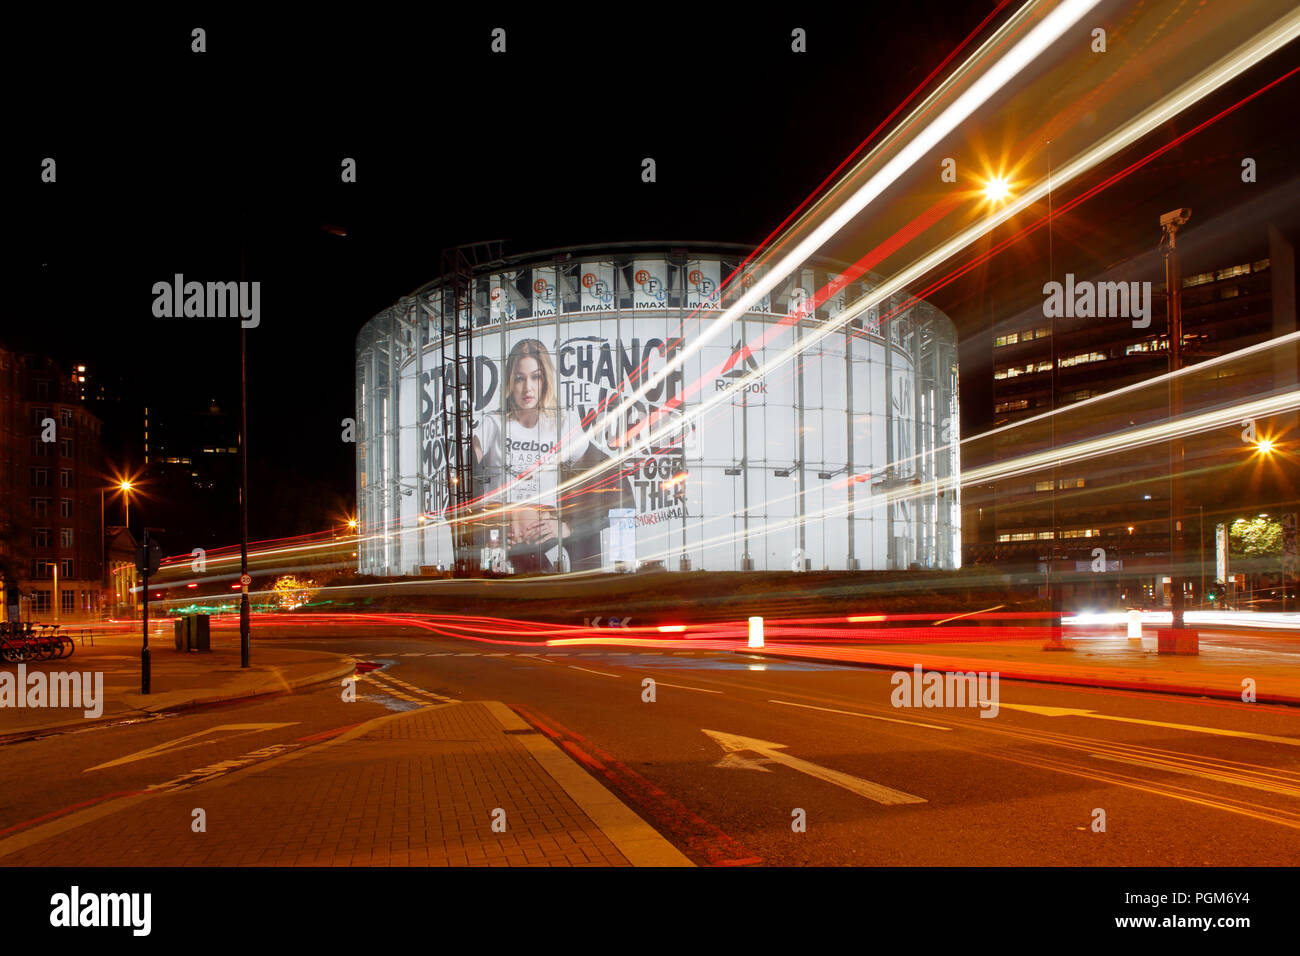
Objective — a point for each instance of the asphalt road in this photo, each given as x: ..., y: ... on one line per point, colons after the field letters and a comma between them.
x: 740, y: 759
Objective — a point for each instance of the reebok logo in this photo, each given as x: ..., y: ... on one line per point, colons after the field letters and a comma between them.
x: 739, y: 365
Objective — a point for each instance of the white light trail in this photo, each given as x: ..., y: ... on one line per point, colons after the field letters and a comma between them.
x: 999, y: 75
x: 1245, y: 56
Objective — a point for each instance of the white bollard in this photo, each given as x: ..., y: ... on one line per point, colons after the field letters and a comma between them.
x: 1135, y: 624
x: 755, y: 632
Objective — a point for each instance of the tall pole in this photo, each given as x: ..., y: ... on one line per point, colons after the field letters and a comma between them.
x: 144, y: 647
x: 103, y: 554
x: 243, y: 483
x: 1176, y: 450
x: 1054, y: 595
x: 851, y: 563
x: 1200, y: 533
x: 746, y: 560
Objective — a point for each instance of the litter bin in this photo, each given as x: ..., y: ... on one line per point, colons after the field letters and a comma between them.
x: 193, y: 633
x: 200, y: 635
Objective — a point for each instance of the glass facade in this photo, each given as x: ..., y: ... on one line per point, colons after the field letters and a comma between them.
x: 793, y: 438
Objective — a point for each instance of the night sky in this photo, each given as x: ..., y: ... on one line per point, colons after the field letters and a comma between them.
x: 169, y: 162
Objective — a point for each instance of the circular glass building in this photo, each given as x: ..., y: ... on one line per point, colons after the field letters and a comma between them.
x: 599, y: 408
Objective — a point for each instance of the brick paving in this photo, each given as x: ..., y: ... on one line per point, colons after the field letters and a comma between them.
x: 178, y: 679
x: 417, y: 790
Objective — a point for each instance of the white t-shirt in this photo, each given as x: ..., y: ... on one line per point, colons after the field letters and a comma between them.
x: 531, y: 462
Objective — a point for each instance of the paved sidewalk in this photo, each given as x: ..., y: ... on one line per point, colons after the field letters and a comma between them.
x: 420, y: 788
x: 1225, y: 660
x: 177, y: 679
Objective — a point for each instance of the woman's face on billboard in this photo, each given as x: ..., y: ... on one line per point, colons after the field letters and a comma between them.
x: 527, y: 385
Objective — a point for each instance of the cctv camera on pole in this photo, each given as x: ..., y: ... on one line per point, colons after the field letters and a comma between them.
x: 1170, y: 223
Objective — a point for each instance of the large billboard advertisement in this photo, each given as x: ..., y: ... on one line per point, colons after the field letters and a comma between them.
x: 734, y: 458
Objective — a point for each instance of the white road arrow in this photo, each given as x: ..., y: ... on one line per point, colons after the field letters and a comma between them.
x: 1217, y: 731
x: 191, y: 740
x: 733, y: 743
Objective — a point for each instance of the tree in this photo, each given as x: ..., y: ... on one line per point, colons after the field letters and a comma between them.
x: 1255, y: 537
x: 292, y: 592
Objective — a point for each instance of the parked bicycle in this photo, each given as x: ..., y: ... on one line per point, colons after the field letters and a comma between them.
x: 22, y: 641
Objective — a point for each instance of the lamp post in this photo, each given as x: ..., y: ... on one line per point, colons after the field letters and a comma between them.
x: 1200, y: 533
x: 103, y: 551
x: 243, y: 482
x: 1169, y: 223
x: 123, y: 486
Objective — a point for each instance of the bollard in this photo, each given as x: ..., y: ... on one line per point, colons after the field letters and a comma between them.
x: 1135, y: 624
x: 755, y: 632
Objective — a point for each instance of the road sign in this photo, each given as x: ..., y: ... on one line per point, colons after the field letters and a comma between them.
x: 245, y: 579
x: 154, y: 557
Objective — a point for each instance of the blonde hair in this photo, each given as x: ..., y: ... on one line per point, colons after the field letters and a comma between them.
x: 547, y: 402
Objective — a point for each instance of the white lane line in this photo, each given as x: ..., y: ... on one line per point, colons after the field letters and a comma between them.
x: 191, y: 740
x: 1205, y: 775
x: 409, y: 687
x: 534, y: 657
x: 468, y: 654
x: 398, y: 681
x: 388, y: 689
x: 853, y: 713
x: 501, y: 654
x: 1193, y: 728
x: 702, y: 690
x: 601, y: 673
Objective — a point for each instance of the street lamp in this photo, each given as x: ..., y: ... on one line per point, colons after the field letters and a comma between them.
x: 125, y: 487
x: 997, y: 189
